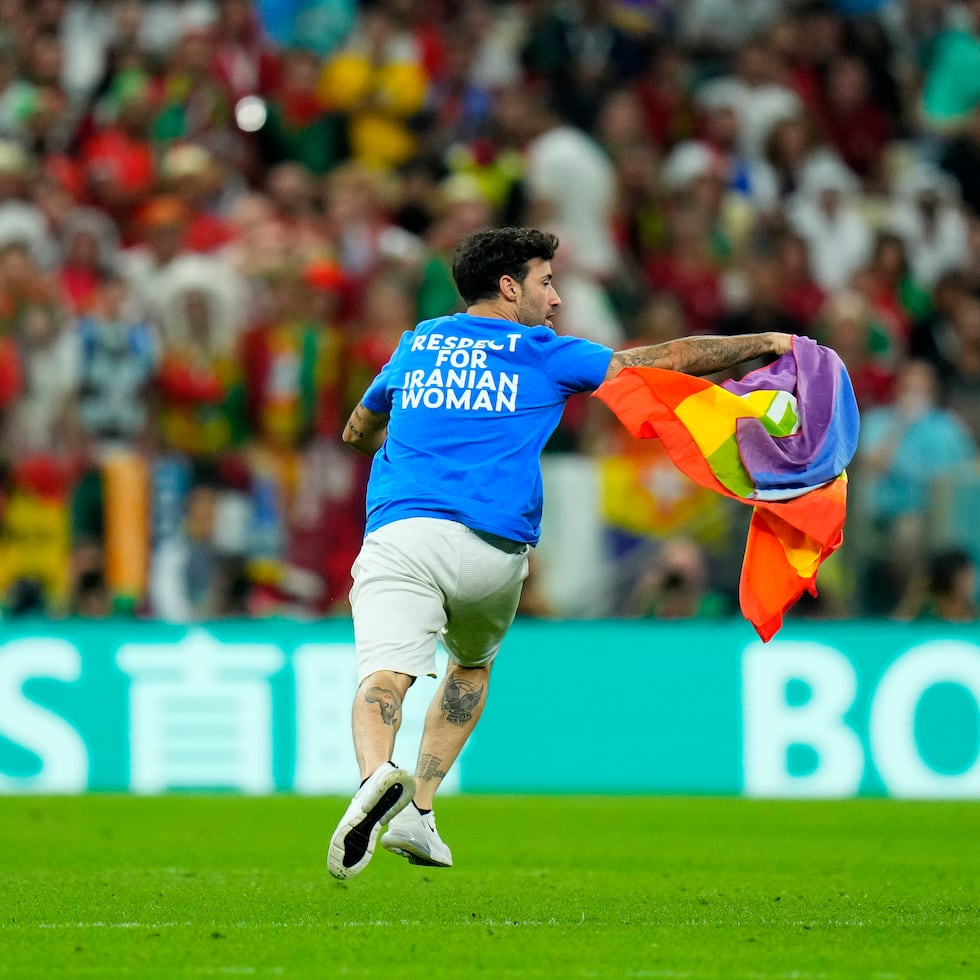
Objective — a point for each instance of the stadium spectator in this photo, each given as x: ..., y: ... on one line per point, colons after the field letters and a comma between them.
x: 569, y: 183
x: 460, y: 208
x: 847, y: 325
x: 581, y: 53
x: 284, y: 360
x: 185, y: 574
x: 789, y: 146
x: 496, y: 33
x: 378, y: 81
x: 856, y: 126
x: 638, y: 223
x: 117, y: 153
x: 927, y: 214
x: 946, y: 590
x: 688, y: 268
x: 413, y: 208
x: 895, y: 297
x: 300, y: 127
x: 914, y: 28
x: 25, y: 597
x: 800, y: 296
x: 714, y: 28
x: 903, y: 447
x: 761, y: 310
x: 246, y: 61
x: 951, y: 89
x: 960, y: 158
x: 867, y: 39
x: 159, y: 240
x: 201, y: 379
x: 663, y: 91
x: 360, y: 226
x: 44, y: 120
x: 259, y: 238
x: 933, y: 336
x: 719, y: 129
x: 804, y: 41
x: 119, y: 355
x: 194, y: 177
x: 619, y: 124
x: 961, y: 377
x: 292, y: 191
x: 42, y: 419
x: 676, y: 584
x: 386, y: 313
x: 102, y: 43
x: 495, y: 157
x: 88, y: 243
x: 194, y: 105
x: 826, y: 214
x: 21, y: 220
x: 758, y: 94
x: 457, y: 105
x: 695, y: 175
x: 325, y: 289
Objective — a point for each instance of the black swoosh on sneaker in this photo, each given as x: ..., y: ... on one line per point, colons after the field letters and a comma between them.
x: 358, y: 838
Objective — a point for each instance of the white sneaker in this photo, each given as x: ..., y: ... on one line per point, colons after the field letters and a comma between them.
x: 413, y: 835
x: 386, y: 792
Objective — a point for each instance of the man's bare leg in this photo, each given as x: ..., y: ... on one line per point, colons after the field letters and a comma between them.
x: 386, y: 790
x: 377, y: 716
x: 449, y: 722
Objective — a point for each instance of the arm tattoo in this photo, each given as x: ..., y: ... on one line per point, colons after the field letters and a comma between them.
x: 358, y: 416
x: 367, y: 428
x: 387, y: 701
x: 697, y: 355
x: 459, y: 700
x: 429, y: 767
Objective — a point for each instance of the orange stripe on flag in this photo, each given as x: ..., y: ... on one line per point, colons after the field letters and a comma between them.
x: 786, y: 544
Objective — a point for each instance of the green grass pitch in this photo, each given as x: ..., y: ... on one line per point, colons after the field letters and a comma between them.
x: 550, y: 887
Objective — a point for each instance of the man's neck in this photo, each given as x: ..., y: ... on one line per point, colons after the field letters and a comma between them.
x: 493, y: 310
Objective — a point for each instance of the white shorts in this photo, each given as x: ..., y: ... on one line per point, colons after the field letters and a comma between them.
x: 423, y: 579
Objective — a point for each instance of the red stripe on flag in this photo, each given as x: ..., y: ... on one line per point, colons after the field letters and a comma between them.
x: 644, y: 400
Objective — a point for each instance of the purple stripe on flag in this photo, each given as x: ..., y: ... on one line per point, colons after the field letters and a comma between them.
x: 828, y: 414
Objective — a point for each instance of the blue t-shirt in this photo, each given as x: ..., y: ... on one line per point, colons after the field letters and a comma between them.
x: 472, y: 403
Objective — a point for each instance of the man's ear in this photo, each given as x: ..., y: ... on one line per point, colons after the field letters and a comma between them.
x: 508, y: 286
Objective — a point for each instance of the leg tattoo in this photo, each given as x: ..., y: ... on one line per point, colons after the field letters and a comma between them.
x: 387, y: 701
x: 429, y: 767
x: 459, y: 700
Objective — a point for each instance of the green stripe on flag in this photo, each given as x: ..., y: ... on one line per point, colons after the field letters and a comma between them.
x: 726, y: 464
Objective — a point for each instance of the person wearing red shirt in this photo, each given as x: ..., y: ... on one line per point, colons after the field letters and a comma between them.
x: 857, y: 127
x: 118, y: 157
x: 688, y: 270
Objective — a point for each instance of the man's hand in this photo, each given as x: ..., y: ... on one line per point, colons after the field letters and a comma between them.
x: 782, y: 343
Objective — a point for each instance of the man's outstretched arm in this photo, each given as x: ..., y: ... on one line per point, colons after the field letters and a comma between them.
x: 701, y: 355
x: 365, y: 431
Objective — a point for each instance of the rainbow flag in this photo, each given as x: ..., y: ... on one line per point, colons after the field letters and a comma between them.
x: 778, y: 440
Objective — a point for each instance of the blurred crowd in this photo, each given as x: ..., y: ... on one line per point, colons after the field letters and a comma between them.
x: 216, y: 219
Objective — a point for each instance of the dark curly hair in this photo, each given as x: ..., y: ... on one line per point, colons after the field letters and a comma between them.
x: 483, y: 257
